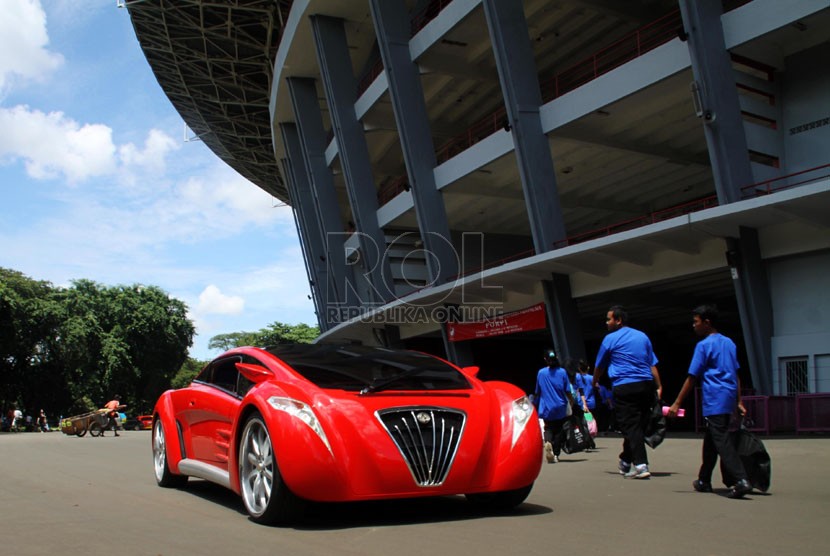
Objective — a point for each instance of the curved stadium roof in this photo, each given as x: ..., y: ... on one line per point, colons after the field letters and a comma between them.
x: 214, y: 60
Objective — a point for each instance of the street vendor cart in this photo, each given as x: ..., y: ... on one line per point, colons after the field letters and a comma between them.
x: 94, y: 422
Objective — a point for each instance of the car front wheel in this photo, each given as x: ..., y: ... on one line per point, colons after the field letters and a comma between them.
x: 164, y: 477
x: 267, y: 498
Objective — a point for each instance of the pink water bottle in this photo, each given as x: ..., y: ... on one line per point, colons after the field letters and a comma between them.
x: 680, y: 412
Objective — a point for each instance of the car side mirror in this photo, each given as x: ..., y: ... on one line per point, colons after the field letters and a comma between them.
x: 470, y: 371
x: 254, y: 373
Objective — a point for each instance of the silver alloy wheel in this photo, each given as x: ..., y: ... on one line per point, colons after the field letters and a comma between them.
x: 256, y: 467
x: 159, y: 451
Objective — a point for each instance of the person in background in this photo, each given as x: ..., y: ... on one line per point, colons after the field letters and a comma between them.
x: 715, y: 366
x: 42, y: 425
x: 113, y: 405
x: 627, y: 356
x: 585, y: 386
x: 552, y: 398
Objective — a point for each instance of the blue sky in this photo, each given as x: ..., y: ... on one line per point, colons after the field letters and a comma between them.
x: 97, y: 181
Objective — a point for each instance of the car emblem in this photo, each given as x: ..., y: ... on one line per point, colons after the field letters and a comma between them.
x: 423, y: 417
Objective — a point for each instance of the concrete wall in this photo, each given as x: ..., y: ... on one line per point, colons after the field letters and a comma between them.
x: 806, y: 92
x: 801, y: 315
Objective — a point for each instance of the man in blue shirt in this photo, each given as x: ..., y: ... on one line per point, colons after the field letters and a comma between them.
x: 553, y: 398
x: 715, y: 365
x: 626, y: 354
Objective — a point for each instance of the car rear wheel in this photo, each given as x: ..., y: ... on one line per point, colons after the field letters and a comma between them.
x: 499, y: 501
x: 164, y: 477
x: 267, y: 498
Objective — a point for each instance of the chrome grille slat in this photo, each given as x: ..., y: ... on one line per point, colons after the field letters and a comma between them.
x: 427, y: 438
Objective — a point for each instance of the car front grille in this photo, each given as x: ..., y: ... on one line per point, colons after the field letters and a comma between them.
x: 428, y: 439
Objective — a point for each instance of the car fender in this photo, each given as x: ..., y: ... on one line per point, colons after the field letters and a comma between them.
x: 516, y: 463
x: 305, y: 463
x: 165, y: 412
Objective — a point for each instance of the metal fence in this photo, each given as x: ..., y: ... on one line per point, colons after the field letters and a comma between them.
x: 797, y: 414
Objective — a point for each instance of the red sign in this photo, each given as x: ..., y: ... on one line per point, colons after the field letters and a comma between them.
x: 532, y: 318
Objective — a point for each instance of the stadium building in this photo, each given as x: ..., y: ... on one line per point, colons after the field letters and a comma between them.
x: 484, y: 178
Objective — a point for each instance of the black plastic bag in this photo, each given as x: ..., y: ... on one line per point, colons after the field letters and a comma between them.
x: 656, y: 428
x: 576, y: 436
x: 754, y: 457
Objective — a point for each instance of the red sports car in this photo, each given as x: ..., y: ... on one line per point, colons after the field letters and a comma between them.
x: 331, y: 423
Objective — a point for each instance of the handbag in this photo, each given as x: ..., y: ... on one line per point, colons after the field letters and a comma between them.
x: 592, y: 424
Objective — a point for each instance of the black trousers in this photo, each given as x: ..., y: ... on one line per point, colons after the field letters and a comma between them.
x: 633, y: 403
x: 716, y: 443
x: 553, y: 433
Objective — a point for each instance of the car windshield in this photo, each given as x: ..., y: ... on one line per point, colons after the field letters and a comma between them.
x: 360, y: 368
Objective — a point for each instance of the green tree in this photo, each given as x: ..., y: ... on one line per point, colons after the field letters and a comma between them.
x: 273, y: 334
x: 28, y: 315
x: 70, y: 349
x: 187, y: 372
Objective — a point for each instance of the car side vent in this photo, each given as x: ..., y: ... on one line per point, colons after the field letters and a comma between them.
x: 428, y: 439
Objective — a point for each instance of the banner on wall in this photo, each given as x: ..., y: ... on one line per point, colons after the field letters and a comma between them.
x: 524, y: 320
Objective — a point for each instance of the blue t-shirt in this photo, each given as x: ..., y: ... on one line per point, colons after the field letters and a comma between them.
x: 585, y: 383
x: 550, y: 395
x: 627, y: 355
x: 715, y: 366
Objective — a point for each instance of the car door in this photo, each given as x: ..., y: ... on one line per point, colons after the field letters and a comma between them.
x: 209, y: 408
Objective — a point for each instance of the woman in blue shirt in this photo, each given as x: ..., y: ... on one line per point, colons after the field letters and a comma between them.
x: 552, y: 398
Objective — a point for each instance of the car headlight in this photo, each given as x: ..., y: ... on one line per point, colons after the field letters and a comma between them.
x: 303, y: 412
x: 521, y: 412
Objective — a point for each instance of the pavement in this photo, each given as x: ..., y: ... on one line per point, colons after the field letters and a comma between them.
x: 66, y: 495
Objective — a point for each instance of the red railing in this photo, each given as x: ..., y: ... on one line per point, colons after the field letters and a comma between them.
x: 392, y: 189
x: 482, y: 129
x: 629, y: 47
x: 812, y: 412
x: 770, y: 186
x: 494, y: 264
x: 633, y: 223
x: 427, y: 14
x: 369, y: 77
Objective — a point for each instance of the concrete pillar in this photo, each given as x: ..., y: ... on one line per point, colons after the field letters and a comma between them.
x: 340, y: 88
x: 406, y: 93
x: 563, y: 318
x: 312, y: 136
x: 719, y: 107
x: 749, y: 277
x: 522, y: 99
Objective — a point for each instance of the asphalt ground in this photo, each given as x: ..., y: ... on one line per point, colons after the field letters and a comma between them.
x: 87, y: 496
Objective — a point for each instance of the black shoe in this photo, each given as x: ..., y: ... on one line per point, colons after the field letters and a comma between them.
x: 116, y: 434
x: 700, y: 486
x: 739, y: 489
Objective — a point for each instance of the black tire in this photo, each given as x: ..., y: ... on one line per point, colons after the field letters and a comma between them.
x: 81, y: 432
x: 95, y: 429
x: 499, y: 501
x: 164, y: 477
x: 258, y: 471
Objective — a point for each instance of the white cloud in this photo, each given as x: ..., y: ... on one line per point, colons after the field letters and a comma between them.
x: 213, y: 301
x: 23, y: 43
x: 53, y: 146
x: 153, y: 157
